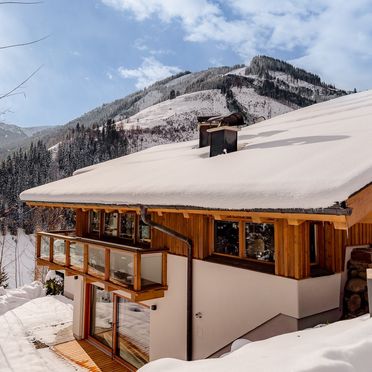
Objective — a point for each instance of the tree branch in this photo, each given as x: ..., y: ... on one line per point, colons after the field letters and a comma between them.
x: 21, y: 2
x: 23, y: 44
x: 20, y: 84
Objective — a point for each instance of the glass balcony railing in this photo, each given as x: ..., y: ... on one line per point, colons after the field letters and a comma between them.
x: 133, y: 268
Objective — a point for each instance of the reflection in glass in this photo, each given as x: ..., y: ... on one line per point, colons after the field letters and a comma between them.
x: 59, y: 251
x: 133, y: 332
x: 260, y: 241
x: 111, y: 224
x: 151, y: 264
x: 94, y: 222
x: 127, y: 225
x: 121, y: 267
x: 44, y: 247
x: 96, y: 261
x: 226, y: 239
x: 76, y: 255
x: 144, y: 231
x: 101, y: 315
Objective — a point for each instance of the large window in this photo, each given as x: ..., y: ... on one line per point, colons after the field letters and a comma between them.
x: 115, y: 318
x: 119, y: 226
x: 101, y: 315
x: 248, y: 240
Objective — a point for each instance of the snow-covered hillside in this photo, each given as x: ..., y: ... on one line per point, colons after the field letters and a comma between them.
x: 206, y: 102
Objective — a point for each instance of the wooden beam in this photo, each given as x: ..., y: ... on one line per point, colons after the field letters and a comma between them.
x: 294, y: 222
x: 256, y: 219
x: 85, y: 258
x: 340, y: 225
x: 164, y: 268
x: 137, y: 272
x: 107, y: 264
x: 361, y: 205
x: 67, y: 248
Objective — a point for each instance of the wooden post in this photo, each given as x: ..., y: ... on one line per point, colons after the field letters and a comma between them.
x: 68, y: 260
x: 107, y: 263
x: 51, y: 249
x: 137, y: 272
x: 164, y: 268
x: 241, y: 239
x: 85, y: 258
x: 38, y: 245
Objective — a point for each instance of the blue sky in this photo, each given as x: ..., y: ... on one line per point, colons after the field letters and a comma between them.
x: 100, y: 50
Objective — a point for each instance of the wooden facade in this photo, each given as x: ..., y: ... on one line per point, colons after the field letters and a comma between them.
x: 292, y: 256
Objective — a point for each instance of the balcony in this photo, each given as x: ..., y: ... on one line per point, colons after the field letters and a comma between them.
x: 138, y: 271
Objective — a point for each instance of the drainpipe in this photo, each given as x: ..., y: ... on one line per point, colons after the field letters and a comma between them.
x: 175, y: 234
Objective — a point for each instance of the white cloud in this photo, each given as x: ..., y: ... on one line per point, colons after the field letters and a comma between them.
x: 333, y: 36
x: 150, y: 71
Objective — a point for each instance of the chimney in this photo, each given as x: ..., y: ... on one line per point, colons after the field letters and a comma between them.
x: 223, y: 140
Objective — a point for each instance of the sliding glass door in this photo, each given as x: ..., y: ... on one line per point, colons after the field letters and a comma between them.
x: 120, y: 325
x: 133, y: 332
x: 101, y: 316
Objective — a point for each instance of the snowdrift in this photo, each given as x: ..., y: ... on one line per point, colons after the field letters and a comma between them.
x: 343, y: 346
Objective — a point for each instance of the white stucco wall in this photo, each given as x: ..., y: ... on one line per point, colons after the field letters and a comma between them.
x: 232, y: 302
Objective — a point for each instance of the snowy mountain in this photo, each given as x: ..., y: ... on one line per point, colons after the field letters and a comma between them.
x: 12, y: 136
x: 266, y: 88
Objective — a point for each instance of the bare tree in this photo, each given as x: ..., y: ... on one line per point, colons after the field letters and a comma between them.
x: 14, y: 91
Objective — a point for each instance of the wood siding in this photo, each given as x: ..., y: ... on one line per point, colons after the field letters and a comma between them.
x: 194, y: 226
x: 292, y: 239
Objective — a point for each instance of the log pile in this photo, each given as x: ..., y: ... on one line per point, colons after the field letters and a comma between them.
x: 356, y: 293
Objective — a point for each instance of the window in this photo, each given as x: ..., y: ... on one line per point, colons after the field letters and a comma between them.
x: 111, y: 224
x: 253, y: 241
x: 313, y: 243
x: 226, y: 237
x: 259, y: 241
x: 127, y: 225
x: 144, y: 231
x: 94, y: 222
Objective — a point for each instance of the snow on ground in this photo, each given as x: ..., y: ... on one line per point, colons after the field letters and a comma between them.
x: 343, y: 346
x: 200, y: 103
x: 259, y: 105
x: 12, y: 298
x: 307, y: 158
x: 43, y: 321
x: 18, y: 252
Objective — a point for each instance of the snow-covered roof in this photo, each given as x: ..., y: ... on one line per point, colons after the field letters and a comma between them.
x: 308, y: 158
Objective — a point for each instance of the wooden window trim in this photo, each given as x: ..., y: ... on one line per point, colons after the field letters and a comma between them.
x: 241, y: 256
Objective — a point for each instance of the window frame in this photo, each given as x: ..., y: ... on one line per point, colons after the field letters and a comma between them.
x: 242, y: 239
x: 117, y: 238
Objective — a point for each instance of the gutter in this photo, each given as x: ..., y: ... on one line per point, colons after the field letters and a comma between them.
x: 175, y: 234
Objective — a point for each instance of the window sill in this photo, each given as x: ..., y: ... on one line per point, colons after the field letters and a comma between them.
x: 241, y: 263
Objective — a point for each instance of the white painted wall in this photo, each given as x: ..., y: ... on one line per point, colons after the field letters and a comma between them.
x: 78, y: 307
x: 232, y: 302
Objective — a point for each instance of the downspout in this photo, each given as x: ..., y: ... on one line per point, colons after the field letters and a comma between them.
x: 175, y: 234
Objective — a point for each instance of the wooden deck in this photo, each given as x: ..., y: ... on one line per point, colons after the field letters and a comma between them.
x: 86, y: 355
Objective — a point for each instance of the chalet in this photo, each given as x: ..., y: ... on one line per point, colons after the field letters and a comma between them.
x: 180, y: 249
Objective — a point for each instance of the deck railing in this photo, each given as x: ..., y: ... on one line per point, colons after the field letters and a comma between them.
x: 133, y: 268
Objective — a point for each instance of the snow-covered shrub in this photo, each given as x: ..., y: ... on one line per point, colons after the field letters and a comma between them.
x: 53, y: 284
